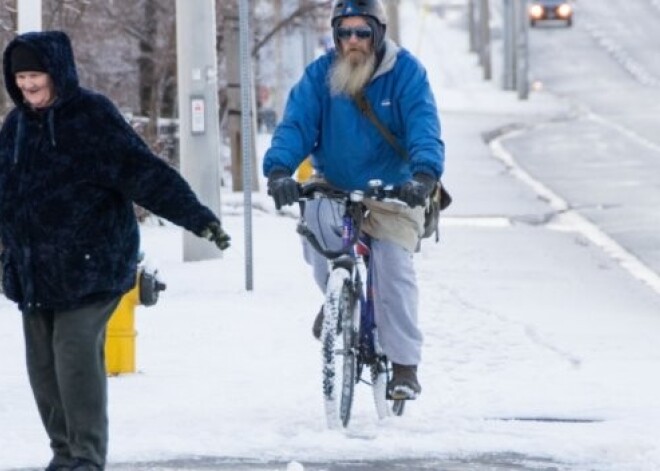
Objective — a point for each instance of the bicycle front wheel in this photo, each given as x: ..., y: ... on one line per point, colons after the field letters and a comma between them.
x: 338, y: 338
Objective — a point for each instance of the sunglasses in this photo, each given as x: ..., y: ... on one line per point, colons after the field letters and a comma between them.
x: 362, y: 32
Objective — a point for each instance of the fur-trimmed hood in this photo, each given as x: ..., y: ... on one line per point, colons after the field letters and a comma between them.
x: 54, y: 51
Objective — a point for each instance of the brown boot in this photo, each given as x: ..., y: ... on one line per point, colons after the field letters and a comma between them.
x: 404, y: 384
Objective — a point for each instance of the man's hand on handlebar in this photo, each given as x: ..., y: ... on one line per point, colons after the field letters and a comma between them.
x: 416, y: 191
x: 283, y: 189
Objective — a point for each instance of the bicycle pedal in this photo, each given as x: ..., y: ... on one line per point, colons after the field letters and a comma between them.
x: 401, y: 393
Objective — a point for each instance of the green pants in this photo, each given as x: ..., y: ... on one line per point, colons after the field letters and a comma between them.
x: 66, y: 366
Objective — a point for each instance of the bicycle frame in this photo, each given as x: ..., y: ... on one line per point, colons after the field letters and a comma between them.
x: 354, y: 319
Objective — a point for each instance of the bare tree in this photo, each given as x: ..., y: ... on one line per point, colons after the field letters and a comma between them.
x: 64, y: 14
x: 267, y: 23
x: 308, y: 11
x: 127, y: 50
x: 150, y: 24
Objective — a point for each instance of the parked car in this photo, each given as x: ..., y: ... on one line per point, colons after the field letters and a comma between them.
x: 542, y: 10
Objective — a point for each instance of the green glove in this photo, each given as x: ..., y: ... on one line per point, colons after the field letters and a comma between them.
x: 216, y: 234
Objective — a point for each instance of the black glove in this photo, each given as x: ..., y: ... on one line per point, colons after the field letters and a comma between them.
x: 416, y: 191
x: 284, y: 189
x: 215, y: 234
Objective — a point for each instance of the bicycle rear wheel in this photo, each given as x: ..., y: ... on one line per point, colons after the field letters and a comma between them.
x: 385, y: 407
x: 338, y: 337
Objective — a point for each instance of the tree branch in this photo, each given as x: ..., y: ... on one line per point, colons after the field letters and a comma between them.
x: 301, y: 11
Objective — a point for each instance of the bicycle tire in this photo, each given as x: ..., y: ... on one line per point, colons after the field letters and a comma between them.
x: 379, y: 379
x: 379, y: 389
x: 338, y: 338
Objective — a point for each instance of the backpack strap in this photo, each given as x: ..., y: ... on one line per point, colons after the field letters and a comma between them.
x: 439, y: 197
x: 365, y: 107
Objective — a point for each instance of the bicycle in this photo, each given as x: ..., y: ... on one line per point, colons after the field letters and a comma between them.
x: 348, y: 335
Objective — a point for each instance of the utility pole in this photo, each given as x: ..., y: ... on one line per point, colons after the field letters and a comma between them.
x: 522, y: 50
x: 29, y: 15
x: 472, y: 26
x: 479, y: 29
x: 199, y: 132
x: 484, y: 33
x: 508, y: 34
x: 516, y: 47
x: 393, y: 30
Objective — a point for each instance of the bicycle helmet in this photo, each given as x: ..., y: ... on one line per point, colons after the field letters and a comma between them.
x: 372, y: 10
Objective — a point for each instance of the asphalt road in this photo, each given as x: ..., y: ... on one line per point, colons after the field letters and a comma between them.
x: 603, y: 158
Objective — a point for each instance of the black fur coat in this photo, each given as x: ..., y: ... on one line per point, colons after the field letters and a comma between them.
x: 68, y: 177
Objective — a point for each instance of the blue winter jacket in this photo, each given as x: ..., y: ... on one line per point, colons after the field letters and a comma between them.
x: 346, y: 147
x: 69, y: 175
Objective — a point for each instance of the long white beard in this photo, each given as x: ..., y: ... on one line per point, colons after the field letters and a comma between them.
x: 347, y: 78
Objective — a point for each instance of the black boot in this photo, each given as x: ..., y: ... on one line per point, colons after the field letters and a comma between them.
x: 318, y: 325
x: 85, y: 465
x: 57, y: 467
x: 404, y: 384
x: 59, y: 463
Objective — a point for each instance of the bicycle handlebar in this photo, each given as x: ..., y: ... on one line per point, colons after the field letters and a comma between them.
x: 377, y: 191
x: 354, y: 206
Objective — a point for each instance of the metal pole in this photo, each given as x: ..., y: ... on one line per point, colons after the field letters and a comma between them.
x: 246, y: 133
x: 199, y: 132
x: 471, y: 26
x: 515, y: 34
x: 508, y: 47
x: 522, y: 80
x: 29, y: 16
x: 484, y: 20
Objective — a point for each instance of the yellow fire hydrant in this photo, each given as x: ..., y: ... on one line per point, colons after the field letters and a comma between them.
x: 121, y: 333
x: 305, y: 170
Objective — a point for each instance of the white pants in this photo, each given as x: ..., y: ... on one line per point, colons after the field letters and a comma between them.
x: 393, y: 281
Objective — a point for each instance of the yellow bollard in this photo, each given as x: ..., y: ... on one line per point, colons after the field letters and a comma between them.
x: 120, y: 335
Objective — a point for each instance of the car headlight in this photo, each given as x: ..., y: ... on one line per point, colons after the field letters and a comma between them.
x: 564, y: 10
x: 535, y: 11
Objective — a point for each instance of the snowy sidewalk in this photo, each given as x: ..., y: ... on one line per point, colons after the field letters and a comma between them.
x: 539, y: 346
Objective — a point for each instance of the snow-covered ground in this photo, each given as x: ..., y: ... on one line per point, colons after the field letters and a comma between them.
x: 522, y: 320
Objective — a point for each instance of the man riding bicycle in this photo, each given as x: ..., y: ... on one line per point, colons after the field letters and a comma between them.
x: 348, y: 148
